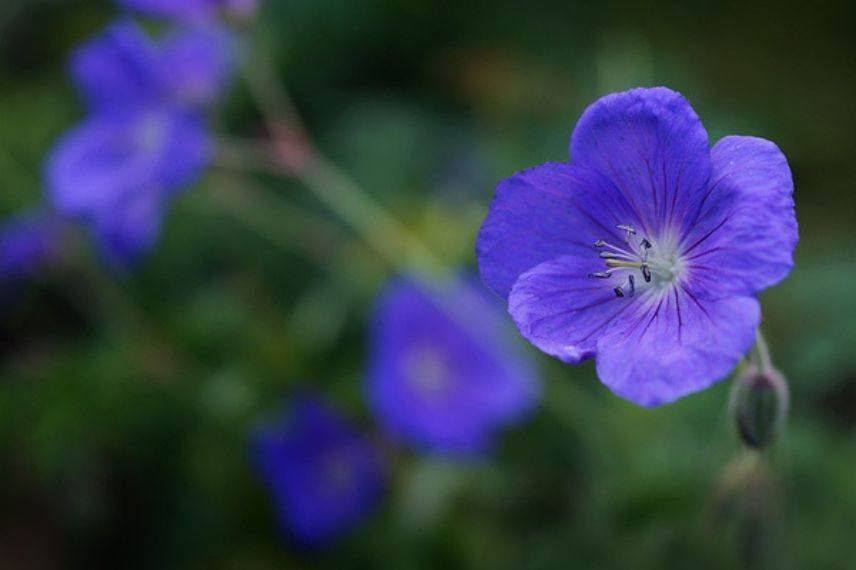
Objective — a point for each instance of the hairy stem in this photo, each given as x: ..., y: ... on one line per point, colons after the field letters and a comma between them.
x: 761, y: 353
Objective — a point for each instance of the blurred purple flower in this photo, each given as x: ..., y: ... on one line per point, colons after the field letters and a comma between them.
x: 324, y: 476
x: 443, y: 375
x: 145, y: 137
x: 648, y: 250
x: 193, y: 10
x: 29, y: 242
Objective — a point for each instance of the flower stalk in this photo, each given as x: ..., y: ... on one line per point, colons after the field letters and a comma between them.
x: 293, y: 154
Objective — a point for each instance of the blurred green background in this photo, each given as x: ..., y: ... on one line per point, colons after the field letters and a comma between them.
x: 125, y: 401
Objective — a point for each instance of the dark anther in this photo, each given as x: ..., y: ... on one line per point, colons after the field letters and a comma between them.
x: 632, y: 285
x: 646, y: 244
x: 646, y: 273
x: 618, y: 292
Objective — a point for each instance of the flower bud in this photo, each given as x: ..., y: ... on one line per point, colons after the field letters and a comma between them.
x: 759, y: 405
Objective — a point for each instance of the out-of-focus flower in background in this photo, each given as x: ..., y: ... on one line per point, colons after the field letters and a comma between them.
x: 192, y: 10
x: 145, y: 137
x: 29, y: 243
x: 648, y: 250
x: 443, y: 375
x: 324, y: 476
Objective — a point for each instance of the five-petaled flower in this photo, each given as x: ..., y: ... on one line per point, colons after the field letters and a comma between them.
x: 324, y: 476
x: 443, y: 375
x: 646, y: 251
x: 145, y: 136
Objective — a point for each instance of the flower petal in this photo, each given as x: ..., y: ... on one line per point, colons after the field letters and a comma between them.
x: 130, y: 228
x: 747, y: 229
x: 185, y: 151
x: 563, y: 311
x: 651, y: 144
x: 93, y: 163
x: 107, y: 157
x: 198, y: 62
x: 675, y: 345
x: 119, y: 68
x: 545, y: 212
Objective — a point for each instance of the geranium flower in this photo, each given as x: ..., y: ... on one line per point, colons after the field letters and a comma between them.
x: 645, y: 251
x: 324, y: 476
x: 145, y: 137
x: 443, y: 375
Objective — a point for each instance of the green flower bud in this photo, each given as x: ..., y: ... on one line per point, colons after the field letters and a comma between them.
x: 759, y: 404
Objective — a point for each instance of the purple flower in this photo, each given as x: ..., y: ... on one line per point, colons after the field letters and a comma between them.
x: 646, y: 252
x: 193, y: 10
x: 145, y: 137
x: 323, y: 475
x: 443, y: 376
x: 28, y: 243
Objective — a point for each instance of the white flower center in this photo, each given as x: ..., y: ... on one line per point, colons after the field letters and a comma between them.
x: 428, y: 372
x: 151, y: 132
x: 640, y: 264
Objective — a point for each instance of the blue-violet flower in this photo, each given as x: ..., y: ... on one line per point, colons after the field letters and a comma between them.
x: 646, y: 251
x: 323, y: 475
x: 145, y: 136
x: 443, y: 374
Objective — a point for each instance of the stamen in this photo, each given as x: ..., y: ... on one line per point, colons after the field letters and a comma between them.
x: 600, y: 275
x: 632, y: 282
x: 646, y: 273
x: 646, y: 244
x: 615, y: 248
x: 621, y: 263
x: 599, y: 243
x: 629, y: 229
x: 618, y: 292
x: 607, y: 255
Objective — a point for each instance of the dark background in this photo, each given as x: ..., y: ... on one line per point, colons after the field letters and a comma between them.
x: 125, y: 400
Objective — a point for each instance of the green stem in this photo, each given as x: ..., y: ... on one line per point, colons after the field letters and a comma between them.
x: 761, y: 353
x: 293, y: 229
x: 332, y: 187
x: 280, y: 223
x: 381, y: 230
x: 366, y: 217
